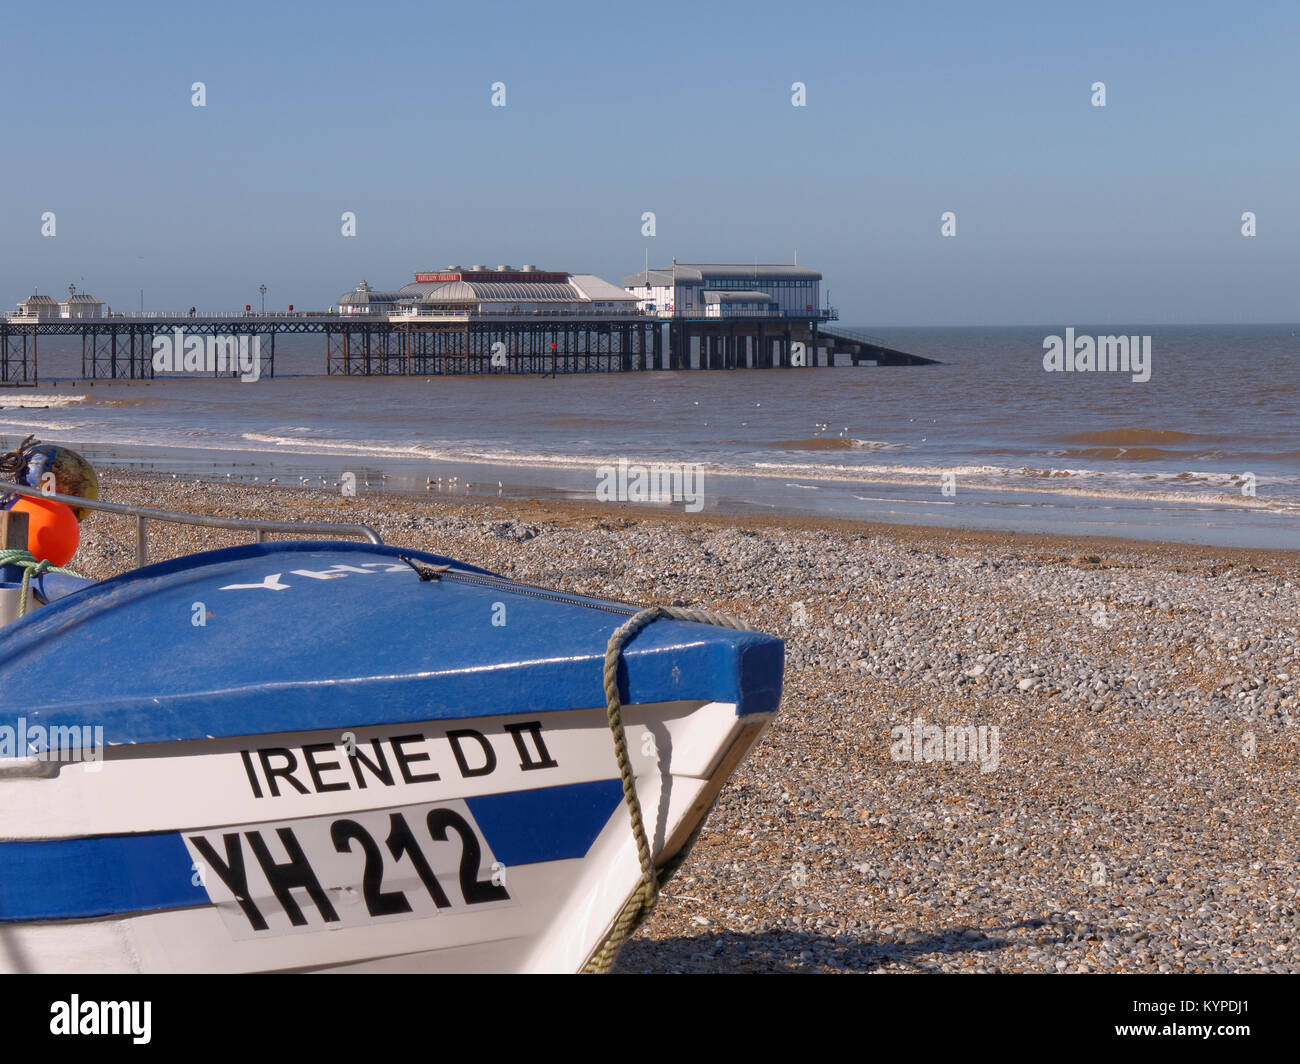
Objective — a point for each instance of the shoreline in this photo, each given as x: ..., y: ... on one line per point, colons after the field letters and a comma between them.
x: 885, y: 473
x: 569, y: 510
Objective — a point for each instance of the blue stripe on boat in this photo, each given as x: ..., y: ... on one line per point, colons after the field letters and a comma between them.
x: 112, y: 875
x: 355, y: 649
x: 68, y: 878
x: 552, y: 824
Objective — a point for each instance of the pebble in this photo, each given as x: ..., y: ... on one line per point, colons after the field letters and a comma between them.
x: 1139, y: 817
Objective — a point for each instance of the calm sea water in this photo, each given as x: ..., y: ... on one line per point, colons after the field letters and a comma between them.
x: 986, y: 440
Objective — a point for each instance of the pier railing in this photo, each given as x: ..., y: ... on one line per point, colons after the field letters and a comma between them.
x: 703, y: 314
x: 416, y: 313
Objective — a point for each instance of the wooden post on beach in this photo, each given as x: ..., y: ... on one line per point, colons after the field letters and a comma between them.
x: 13, y: 530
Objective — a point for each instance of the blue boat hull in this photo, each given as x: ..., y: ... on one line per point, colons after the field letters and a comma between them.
x: 304, y: 756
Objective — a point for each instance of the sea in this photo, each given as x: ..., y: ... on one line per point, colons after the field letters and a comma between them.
x: 1206, y: 450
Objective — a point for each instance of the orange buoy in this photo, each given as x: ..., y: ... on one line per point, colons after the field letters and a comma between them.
x: 52, y: 530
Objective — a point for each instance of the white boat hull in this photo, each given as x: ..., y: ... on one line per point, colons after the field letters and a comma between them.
x: 355, y: 851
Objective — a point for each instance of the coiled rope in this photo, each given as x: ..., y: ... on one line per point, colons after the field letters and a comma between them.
x: 643, y: 899
x: 31, y: 567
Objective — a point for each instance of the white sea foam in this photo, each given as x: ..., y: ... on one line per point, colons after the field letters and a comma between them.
x: 28, y: 424
x: 1277, y: 494
x: 38, y: 402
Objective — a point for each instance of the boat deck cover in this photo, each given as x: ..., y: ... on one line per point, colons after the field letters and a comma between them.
x: 297, y: 636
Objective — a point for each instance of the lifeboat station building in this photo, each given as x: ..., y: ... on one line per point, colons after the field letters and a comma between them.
x: 735, y: 315
x: 692, y: 290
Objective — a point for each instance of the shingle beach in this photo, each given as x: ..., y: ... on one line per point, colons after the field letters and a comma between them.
x: 1134, y: 803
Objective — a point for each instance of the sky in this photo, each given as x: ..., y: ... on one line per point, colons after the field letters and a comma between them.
x: 1065, y: 212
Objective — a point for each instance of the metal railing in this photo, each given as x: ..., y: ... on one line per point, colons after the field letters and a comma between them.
x: 706, y: 312
x: 175, y: 315
x: 578, y: 313
x: 856, y: 335
x: 144, y: 514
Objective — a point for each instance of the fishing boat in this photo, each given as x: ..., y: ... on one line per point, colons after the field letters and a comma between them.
x: 335, y: 754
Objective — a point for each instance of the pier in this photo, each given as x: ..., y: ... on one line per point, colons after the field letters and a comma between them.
x: 121, y: 347
x: 478, y: 320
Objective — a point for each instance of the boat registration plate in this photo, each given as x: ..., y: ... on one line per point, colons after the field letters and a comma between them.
x: 373, y: 866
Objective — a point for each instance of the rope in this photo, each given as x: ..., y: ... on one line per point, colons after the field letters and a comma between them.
x: 31, y: 566
x: 643, y: 899
x: 15, y: 461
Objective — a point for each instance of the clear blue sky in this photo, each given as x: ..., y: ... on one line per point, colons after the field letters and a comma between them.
x: 1066, y: 213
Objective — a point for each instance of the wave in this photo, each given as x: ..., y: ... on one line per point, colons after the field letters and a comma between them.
x: 1139, y: 437
x: 26, y: 425
x: 1161, y: 454
x: 39, y: 402
x: 831, y: 443
x: 1140, y: 454
x: 297, y: 445
x: 1275, y: 492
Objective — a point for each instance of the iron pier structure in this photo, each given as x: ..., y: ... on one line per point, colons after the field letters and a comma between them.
x: 121, y: 347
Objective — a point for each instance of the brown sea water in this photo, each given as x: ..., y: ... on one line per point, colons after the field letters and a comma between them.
x: 1207, y: 449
